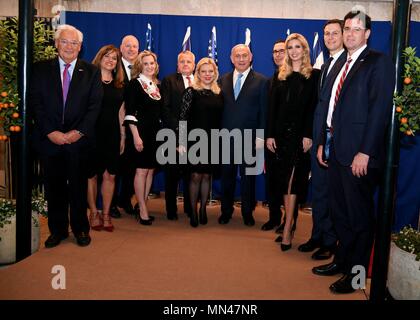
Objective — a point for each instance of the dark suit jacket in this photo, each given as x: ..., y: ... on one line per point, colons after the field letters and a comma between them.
x: 82, y: 105
x: 172, y: 90
x: 324, y: 95
x: 364, y: 108
x: 249, y: 110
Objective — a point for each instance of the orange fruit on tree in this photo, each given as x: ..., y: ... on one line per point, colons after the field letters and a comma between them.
x: 15, y: 115
x: 4, y: 94
x: 409, y: 132
x: 18, y: 128
x: 12, y: 128
x: 398, y: 109
x: 407, y: 80
x: 404, y: 120
x: 5, y: 105
x: 3, y: 137
x: 12, y: 105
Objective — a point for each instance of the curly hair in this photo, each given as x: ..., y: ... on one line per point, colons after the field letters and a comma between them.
x: 306, y: 68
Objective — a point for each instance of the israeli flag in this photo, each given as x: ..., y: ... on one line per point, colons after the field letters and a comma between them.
x: 186, y: 44
x: 287, y: 33
x: 212, y: 49
x: 317, y: 54
x: 149, y: 40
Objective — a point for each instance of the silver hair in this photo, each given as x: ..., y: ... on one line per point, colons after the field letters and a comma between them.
x: 67, y: 27
x: 241, y: 45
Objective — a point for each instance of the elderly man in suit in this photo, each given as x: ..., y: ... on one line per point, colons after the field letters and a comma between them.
x: 356, y: 118
x: 323, y: 234
x: 173, y: 87
x: 65, y: 97
x: 245, y: 103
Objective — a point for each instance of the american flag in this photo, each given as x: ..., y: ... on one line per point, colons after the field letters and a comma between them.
x: 149, y: 39
x: 212, y: 49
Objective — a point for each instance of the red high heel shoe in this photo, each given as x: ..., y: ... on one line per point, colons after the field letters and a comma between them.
x: 95, y: 221
x: 108, y: 226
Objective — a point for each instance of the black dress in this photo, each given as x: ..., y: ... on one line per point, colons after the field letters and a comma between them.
x: 143, y: 111
x: 106, y: 151
x: 202, y: 109
x: 290, y: 117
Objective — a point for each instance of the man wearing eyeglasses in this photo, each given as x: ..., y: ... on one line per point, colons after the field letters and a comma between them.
x: 323, y: 234
x: 359, y: 109
x: 65, y: 99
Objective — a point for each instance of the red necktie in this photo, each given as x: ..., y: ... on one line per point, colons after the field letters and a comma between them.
x: 340, y: 84
x: 189, y: 81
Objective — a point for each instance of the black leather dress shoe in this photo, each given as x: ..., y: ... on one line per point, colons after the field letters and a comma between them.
x: 329, y: 269
x: 223, y: 219
x: 82, y: 239
x: 269, y: 225
x: 323, y: 253
x: 114, y: 212
x: 309, y: 246
x: 54, y: 240
x: 249, y: 221
x: 343, y: 285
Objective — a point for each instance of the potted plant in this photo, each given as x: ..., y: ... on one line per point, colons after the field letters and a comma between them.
x: 404, y: 265
x: 8, y: 226
x: 407, y: 103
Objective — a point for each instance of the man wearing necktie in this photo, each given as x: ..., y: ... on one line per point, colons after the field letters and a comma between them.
x: 359, y: 110
x: 173, y: 87
x: 65, y: 98
x: 245, y: 103
x: 323, y: 234
x: 124, y: 190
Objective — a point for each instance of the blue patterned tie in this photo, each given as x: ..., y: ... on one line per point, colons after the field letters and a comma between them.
x: 237, y: 87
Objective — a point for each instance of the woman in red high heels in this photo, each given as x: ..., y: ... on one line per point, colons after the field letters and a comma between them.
x: 289, y: 130
x: 110, y: 137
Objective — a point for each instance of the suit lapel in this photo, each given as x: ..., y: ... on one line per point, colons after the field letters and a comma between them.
x: 180, y: 82
x: 56, y: 77
x: 359, y: 62
x: 246, y: 84
x: 75, y: 81
x: 335, y: 70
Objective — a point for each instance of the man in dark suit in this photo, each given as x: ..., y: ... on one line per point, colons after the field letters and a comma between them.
x: 65, y: 97
x: 173, y: 87
x: 323, y: 234
x: 122, y: 197
x: 358, y: 113
x: 245, y: 103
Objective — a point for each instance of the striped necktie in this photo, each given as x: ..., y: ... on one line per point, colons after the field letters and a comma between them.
x: 340, y: 84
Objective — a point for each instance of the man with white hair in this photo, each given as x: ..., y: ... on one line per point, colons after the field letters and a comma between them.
x: 65, y: 98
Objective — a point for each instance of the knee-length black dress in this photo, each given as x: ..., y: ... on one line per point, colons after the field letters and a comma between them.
x: 106, y: 151
x: 290, y: 117
x: 202, y: 109
x: 143, y: 108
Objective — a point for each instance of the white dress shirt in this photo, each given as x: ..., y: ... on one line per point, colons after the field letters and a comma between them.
x: 186, y: 84
x: 244, y: 75
x: 126, y: 67
x: 63, y: 66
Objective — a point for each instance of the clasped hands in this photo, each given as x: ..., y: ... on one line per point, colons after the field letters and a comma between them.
x: 271, y: 144
x: 60, y: 138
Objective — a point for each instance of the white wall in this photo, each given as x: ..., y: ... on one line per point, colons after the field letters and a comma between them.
x: 294, y: 9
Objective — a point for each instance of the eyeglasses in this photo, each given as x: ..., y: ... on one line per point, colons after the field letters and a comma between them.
x: 356, y: 30
x: 332, y: 34
x: 279, y: 51
x: 65, y: 42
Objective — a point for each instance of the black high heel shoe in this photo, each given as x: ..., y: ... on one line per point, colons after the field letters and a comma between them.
x: 145, y: 222
x: 194, y: 220
x: 203, y: 217
x: 285, y: 247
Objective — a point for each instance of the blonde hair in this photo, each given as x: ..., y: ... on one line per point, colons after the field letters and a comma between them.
x: 138, y: 65
x: 306, y: 68
x: 117, y: 73
x: 197, y: 85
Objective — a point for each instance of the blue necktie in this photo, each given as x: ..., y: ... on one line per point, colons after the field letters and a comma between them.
x: 237, y: 87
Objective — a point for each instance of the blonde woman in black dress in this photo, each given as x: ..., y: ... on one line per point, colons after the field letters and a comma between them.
x: 289, y: 130
x: 110, y: 137
x: 143, y: 110
x: 202, y: 108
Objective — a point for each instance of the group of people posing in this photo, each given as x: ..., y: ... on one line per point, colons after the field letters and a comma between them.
x: 96, y: 127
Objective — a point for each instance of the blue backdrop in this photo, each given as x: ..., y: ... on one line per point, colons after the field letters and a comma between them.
x: 168, y: 33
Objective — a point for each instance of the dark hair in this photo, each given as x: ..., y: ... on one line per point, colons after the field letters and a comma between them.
x: 332, y: 21
x: 117, y: 73
x: 362, y: 16
x: 279, y: 41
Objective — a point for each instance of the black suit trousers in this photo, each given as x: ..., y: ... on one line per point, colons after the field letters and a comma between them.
x: 66, y: 188
x: 352, y: 208
x: 322, y: 226
x: 173, y: 173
